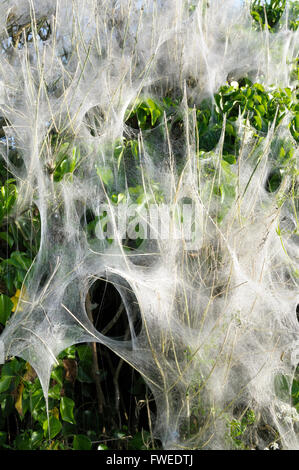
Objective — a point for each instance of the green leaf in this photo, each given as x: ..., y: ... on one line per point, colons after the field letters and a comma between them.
x: 64, y: 167
x: 7, y: 405
x: 261, y: 109
x: 154, y: 110
x: 3, y: 436
x: 229, y: 129
x: 282, y: 386
x: 36, y: 439
x: 231, y: 159
x: 6, y: 307
x: 67, y: 410
x: 81, y: 442
x: 7, y: 238
x: 54, y: 426
x: 142, y: 113
x: 134, y: 148
x: 19, y: 260
x: 73, y: 160
x: 23, y: 442
x: 5, y: 383
x: 105, y: 175
x: 63, y: 150
x: 84, y: 372
x: 12, y: 367
x: 249, y: 418
x: 259, y: 87
x: 8, y: 196
x: 57, y: 375
x: 258, y: 121
x: 54, y: 392
x: 282, y: 152
x: 69, y: 353
x: 84, y: 352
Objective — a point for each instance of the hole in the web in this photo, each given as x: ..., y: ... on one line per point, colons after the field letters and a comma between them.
x: 114, y: 307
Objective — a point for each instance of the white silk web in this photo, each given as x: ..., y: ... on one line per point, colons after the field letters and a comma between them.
x: 219, y: 327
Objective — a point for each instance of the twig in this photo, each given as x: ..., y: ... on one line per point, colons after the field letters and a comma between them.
x: 114, y: 320
x: 149, y: 419
x: 95, y: 362
x: 115, y: 381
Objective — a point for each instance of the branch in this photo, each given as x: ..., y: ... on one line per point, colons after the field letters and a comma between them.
x: 95, y: 363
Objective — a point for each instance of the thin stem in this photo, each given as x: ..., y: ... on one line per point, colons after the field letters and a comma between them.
x: 95, y: 362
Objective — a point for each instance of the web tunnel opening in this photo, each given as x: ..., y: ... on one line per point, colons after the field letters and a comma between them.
x: 121, y: 400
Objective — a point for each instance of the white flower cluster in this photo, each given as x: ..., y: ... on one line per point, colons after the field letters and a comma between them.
x: 287, y: 413
x: 273, y: 446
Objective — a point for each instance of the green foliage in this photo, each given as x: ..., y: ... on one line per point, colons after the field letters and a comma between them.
x: 145, y: 113
x: 282, y: 386
x: 295, y: 390
x: 105, y: 175
x: 67, y: 410
x: 261, y: 106
x: 267, y: 12
x: 19, y: 230
x: 238, y: 428
x: 21, y: 398
x: 8, y: 196
x: 66, y: 164
x: 293, y: 23
x: 81, y: 442
x: 51, y: 427
x: 13, y: 270
x: 6, y: 306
